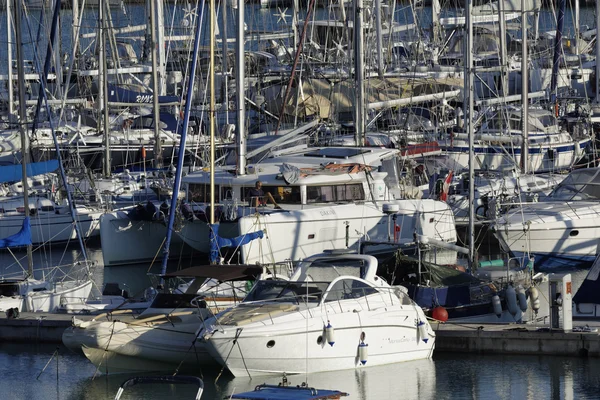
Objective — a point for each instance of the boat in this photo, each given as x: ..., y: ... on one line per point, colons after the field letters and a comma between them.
x: 499, y: 140
x: 284, y: 391
x: 28, y: 293
x: 560, y: 230
x: 112, y: 298
x: 334, y: 313
x: 488, y: 295
x: 586, y: 304
x: 162, y: 337
x: 332, y: 197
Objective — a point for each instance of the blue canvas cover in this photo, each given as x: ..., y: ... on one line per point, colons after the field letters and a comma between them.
x: 120, y: 95
x: 14, y: 173
x: 21, y: 238
x: 217, y: 242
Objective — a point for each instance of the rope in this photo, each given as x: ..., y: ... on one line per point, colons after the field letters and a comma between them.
x: 237, y: 335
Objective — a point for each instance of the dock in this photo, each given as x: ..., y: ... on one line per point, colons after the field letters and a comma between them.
x: 451, y: 337
x: 32, y: 327
x: 518, y: 339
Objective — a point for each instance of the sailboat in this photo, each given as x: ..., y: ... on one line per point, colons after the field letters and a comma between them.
x: 28, y: 293
x: 164, y: 335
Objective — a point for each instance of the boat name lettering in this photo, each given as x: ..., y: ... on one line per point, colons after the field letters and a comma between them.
x: 144, y: 98
x: 400, y: 340
x: 327, y: 212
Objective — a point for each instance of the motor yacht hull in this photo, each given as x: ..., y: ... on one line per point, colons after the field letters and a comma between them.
x: 557, y: 234
x: 297, y: 234
x: 154, y: 345
x: 295, y: 344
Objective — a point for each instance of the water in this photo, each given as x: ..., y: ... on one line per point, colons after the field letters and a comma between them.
x: 447, y: 376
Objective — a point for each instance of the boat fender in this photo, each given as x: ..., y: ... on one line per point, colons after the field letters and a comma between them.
x: 363, y: 352
x: 497, y: 305
x: 534, y: 296
x: 330, y: 334
x: 422, y: 327
x: 522, y: 298
x: 440, y: 314
x: 511, y: 300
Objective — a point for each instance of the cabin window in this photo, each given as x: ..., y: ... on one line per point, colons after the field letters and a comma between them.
x: 349, y: 289
x: 334, y: 193
x: 281, y: 194
x: 47, y: 208
x: 9, y: 290
x: 200, y: 192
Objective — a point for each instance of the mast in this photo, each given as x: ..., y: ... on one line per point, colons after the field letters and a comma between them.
x: 162, y: 57
x: 9, y: 15
x: 597, y: 98
x: 212, y: 113
x: 22, y: 120
x: 103, y: 91
x: 470, y: 131
x: 359, y: 62
x: 181, y: 155
x: 240, y: 135
x: 560, y: 19
x: 380, y: 65
x: 503, y: 55
x: 224, y: 61
x: 48, y: 61
x: 158, y: 161
x: 524, y: 92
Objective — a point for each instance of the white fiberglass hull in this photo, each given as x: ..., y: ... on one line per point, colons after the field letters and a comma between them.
x: 297, y: 234
x: 51, y: 300
x: 159, y: 345
x: 557, y: 234
x: 542, y: 158
x: 125, y: 241
x: 295, y: 345
x: 50, y: 227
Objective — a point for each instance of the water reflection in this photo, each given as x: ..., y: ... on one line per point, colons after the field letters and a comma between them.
x: 447, y: 376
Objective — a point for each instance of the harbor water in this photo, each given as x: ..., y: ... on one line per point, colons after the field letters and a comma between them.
x: 46, y: 372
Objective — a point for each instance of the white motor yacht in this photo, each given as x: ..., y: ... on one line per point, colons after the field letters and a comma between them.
x: 335, y: 313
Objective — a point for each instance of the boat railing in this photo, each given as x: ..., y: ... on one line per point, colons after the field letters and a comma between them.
x: 336, y: 300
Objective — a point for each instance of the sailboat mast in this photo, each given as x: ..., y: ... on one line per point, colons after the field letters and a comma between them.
x: 186, y: 121
x: 359, y: 62
x: 9, y: 16
x: 18, y: 9
x: 524, y: 92
x: 468, y: 93
x: 240, y: 132
x: 212, y: 112
x: 103, y: 89
x: 158, y: 162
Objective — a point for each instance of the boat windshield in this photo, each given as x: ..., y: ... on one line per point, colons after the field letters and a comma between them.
x: 286, y: 291
x: 579, y: 185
